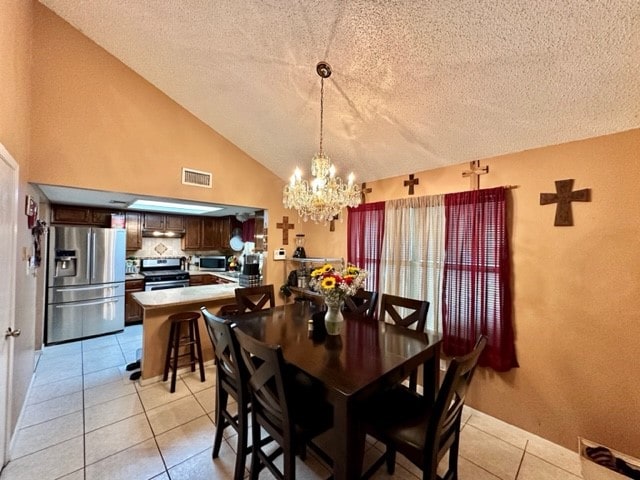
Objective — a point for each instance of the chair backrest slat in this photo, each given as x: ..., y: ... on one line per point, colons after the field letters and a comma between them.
x: 363, y: 303
x: 265, y: 367
x: 418, y: 315
x: 252, y: 299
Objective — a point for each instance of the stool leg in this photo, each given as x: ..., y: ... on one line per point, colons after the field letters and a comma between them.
x: 176, y: 354
x: 167, y: 358
x: 199, y: 349
x: 192, y: 353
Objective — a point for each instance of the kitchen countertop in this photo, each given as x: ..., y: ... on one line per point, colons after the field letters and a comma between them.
x: 184, y: 296
x: 133, y: 276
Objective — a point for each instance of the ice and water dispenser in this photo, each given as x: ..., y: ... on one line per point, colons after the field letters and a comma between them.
x: 65, y: 263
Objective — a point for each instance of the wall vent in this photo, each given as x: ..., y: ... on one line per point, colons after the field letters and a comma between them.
x: 197, y: 178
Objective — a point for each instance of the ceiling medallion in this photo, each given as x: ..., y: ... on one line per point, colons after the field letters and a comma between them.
x: 323, y: 197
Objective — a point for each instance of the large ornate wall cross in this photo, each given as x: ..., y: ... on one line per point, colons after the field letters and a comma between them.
x: 563, y: 197
x: 474, y: 174
x: 364, y: 190
x: 285, y: 226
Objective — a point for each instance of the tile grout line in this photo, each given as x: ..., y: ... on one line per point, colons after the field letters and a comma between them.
x: 521, y: 459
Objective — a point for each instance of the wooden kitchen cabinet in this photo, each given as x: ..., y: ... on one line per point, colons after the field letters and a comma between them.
x: 210, y: 234
x: 101, y: 218
x: 76, y: 215
x: 202, y: 279
x: 206, y: 233
x: 134, y: 231
x: 132, y: 310
x: 159, y: 221
x: 70, y: 214
x: 192, y: 233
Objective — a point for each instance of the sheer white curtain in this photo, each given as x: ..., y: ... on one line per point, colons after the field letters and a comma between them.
x: 412, y: 259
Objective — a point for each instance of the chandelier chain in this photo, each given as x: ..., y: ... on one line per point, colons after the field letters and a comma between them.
x: 321, y: 110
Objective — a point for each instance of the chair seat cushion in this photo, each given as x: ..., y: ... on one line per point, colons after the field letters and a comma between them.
x: 399, y: 416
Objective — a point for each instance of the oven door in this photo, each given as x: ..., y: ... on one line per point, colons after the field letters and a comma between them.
x: 151, y: 286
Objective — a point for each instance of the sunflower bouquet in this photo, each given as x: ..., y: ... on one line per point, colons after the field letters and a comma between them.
x: 334, y: 284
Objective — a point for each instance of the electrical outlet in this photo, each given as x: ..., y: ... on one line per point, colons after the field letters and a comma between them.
x: 279, y: 254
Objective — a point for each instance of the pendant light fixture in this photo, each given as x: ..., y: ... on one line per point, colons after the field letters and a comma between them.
x: 324, y: 196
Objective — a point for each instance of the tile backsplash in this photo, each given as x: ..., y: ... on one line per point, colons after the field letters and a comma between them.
x: 164, y: 247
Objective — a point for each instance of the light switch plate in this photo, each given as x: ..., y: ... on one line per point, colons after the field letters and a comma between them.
x: 279, y: 254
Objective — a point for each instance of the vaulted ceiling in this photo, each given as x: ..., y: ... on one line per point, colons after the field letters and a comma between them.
x: 416, y: 84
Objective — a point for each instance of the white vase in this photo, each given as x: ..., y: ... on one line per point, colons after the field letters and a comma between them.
x: 333, y: 319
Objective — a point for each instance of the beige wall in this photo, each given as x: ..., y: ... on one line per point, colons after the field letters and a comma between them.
x: 576, y: 302
x: 15, y: 126
x: 98, y: 125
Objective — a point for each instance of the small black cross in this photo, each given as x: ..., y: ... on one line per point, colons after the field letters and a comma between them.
x: 285, y: 226
x: 364, y: 191
x: 563, y: 197
x: 411, y: 182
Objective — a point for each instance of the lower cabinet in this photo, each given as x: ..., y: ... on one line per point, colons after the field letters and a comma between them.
x: 202, y: 279
x: 132, y: 310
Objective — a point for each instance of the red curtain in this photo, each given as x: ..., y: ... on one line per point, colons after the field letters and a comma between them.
x: 365, y: 229
x: 249, y: 230
x: 476, y: 287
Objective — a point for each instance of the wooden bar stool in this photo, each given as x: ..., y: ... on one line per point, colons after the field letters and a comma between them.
x: 190, y: 342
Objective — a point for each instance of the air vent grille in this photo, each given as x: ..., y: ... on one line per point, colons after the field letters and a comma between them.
x: 197, y: 178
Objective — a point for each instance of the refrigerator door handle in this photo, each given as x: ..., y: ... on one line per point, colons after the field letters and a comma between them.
x: 76, y: 304
x: 84, y: 289
x: 89, y: 249
x: 93, y: 256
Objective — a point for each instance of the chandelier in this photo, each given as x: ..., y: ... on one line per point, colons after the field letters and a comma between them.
x: 323, y: 197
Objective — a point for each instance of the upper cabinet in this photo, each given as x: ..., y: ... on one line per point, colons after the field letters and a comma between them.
x: 198, y: 233
x: 207, y: 233
x: 75, y: 215
x: 162, y: 222
x: 192, y: 233
x: 134, y: 231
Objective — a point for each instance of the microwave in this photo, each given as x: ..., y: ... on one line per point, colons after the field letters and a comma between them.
x: 214, y: 263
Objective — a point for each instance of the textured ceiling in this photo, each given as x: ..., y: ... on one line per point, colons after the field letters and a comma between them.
x: 416, y: 84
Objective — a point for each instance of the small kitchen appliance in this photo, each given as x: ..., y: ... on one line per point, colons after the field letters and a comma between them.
x: 299, y: 251
x: 214, y: 263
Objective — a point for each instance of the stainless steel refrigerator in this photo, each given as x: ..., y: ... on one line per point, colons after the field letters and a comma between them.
x: 85, y: 282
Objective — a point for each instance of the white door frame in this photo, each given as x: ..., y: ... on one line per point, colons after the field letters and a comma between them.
x: 8, y: 264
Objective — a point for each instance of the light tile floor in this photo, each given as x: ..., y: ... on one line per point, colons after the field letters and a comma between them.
x: 85, y: 420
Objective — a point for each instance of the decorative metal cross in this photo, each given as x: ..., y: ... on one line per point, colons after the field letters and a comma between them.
x: 285, y: 226
x: 364, y: 191
x: 411, y: 182
x: 474, y: 174
x: 563, y: 197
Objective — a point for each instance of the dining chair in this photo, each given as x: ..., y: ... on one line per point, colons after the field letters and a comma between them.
x: 291, y: 412
x: 229, y: 383
x: 252, y: 299
x: 419, y: 428
x: 405, y: 312
x: 363, y: 303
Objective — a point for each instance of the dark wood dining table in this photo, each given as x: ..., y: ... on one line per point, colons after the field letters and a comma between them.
x: 366, y: 357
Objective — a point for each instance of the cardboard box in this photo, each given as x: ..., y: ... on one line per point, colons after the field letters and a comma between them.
x: 594, y: 471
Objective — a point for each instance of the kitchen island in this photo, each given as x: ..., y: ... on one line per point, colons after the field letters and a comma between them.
x: 157, y: 305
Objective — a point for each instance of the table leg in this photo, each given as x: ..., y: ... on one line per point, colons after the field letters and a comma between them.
x: 348, y: 454
x: 431, y: 375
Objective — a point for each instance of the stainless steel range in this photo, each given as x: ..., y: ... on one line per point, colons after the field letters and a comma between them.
x: 163, y: 273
